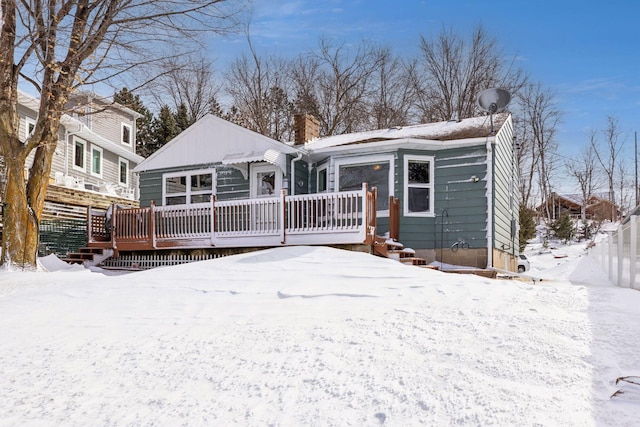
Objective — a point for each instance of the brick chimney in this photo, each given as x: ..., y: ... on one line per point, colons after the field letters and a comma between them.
x: 305, y: 127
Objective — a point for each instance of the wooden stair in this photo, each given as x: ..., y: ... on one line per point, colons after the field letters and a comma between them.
x: 88, y: 256
x: 392, y: 249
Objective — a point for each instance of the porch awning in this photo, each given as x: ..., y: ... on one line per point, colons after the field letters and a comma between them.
x: 241, y: 161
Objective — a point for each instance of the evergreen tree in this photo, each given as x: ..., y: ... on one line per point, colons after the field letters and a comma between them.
x: 165, y: 128
x: 527, y: 226
x: 215, y: 108
x: 144, y: 124
x: 182, y: 118
x: 564, y: 228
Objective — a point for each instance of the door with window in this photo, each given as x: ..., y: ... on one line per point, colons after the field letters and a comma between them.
x: 266, y: 182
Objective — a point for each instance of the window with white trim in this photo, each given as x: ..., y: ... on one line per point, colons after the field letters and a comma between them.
x: 181, y: 188
x: 123, y: 171
x: 29, y: 127
x: 127, y: 134
x: 96, y: 161
x: 79, y: 147
x: 376, y: 171
x: 323, y: 178
x: 418, y: 187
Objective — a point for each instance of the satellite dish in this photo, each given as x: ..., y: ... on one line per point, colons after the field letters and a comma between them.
x: 493, y: 100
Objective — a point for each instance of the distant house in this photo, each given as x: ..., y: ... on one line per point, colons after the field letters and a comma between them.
x: 456, y: 181
x: 92, y: 165
x: 595, y: 207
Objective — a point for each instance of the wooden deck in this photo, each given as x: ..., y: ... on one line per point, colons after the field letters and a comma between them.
x: 347, y: 217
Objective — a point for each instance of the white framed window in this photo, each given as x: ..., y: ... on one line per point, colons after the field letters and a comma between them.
x: 266, y: 180
x: 29, y: 127
x: 323, y: 178
x: 123, y: 171
x: 180, y: 188
x: 418, y: 185
x: 96, y: 161
x: 79, y: 156
x: 126, y: 135
x: 376, y: 171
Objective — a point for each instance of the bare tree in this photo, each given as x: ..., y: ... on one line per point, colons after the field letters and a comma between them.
x: 608, y: 154
x: 541, y: 117
x: 527, y: 160
x: 334, y: 84
x: 392, y: 96
x: 260, y: 94
x: 189, y: 82
x: 58, y: 47
x: 453, y: 71
x: 583, y: 169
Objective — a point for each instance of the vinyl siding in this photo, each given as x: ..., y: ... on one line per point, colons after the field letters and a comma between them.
x: 230, y: 184
x: 108, y: 124
x: 506, y: 191
x: 460, y: 205
x: 301, y: 178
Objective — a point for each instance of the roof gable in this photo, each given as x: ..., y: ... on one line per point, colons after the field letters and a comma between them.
x: 207, y: 141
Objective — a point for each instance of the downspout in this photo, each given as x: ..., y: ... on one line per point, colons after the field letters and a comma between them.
x: 489, y: 204
x: 293, y: 173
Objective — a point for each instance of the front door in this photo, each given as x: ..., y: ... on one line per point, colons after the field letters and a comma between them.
x: 266, y: 182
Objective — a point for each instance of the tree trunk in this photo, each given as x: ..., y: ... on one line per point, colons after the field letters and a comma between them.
x: 20, y: 225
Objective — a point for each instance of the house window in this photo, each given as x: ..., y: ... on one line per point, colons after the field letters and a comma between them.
x: 323, y: 179
x: 96, y: 161
x: 78, y: 154
x: 29, y: 127
x: 376, y: 171
x: 123, y: 171
x: 127, y: 134
x: 188, y: 187
x: 418, y: 191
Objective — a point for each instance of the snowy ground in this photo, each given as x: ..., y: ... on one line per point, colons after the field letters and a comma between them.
x: 318, y: 337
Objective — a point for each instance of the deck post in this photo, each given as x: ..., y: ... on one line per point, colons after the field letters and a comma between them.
x: 213, y: 218
x: 89, y: 228
x: 370, y: 215
x: 283, y: 213
x: 152, y: 224
x: 114, y: 243
x: 394, y: 218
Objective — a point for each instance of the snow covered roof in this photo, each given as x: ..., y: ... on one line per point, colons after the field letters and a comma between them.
x: 476, y: 127
x: 214, y: 140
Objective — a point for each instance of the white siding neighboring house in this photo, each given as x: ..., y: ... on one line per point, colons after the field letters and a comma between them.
x: 96, y: 149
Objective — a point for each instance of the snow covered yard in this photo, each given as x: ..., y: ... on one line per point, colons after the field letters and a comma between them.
x: 317, y: 336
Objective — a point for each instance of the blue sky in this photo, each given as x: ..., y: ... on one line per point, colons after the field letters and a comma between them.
x: 586, y: 51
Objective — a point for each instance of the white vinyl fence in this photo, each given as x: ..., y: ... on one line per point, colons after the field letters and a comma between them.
x: 618, y: 254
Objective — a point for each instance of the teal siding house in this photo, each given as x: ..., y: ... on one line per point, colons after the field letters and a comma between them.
x: 456, y: 181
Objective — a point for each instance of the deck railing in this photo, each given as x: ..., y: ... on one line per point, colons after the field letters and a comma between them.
x: 325, y: 218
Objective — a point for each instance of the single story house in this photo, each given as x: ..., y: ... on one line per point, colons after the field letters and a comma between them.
x: 456, y: 181
x: 596, y: 207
